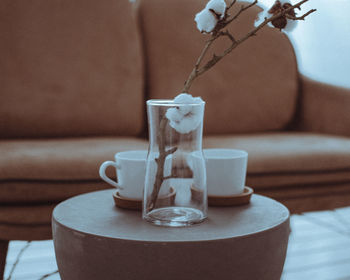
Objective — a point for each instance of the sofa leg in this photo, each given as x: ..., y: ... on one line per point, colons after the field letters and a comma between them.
x: 3, y: 253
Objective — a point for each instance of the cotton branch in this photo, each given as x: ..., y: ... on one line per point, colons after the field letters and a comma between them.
x: 163, y: 153
x: 217, y: 32
x: 232, y: 3
x: 301, y: 17
x: 243, y: 8
x: 194, y: 72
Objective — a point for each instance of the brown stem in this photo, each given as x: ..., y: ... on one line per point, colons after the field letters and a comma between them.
x: 301, y: 17
x: 229, y: 35
x: 216, y: 34
x: 163, y: 153
x: 231, y: 4
x: 193, y: 74
x: 242, y: 9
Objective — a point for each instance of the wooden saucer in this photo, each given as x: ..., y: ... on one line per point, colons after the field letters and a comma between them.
x: 234, y: 200
x: 136, y: 204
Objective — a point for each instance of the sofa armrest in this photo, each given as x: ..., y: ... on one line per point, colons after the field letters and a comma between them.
x: 324, y: 108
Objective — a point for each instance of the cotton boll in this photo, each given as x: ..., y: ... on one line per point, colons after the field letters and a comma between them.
x: 206, y: 21
x: 186, y: 116
x: 184, y: 123
x: 185, y: 98
x: 174, y: 115
x: 197, y: 100
x: 176, y: 126
x: 191, y: 122
x: 187, y: 124
x: 197, y: 110
x: 283, y: 23
x: 182, y: 120
x: 218, y: 6
x: 184, y: 127
x: 185, y: 109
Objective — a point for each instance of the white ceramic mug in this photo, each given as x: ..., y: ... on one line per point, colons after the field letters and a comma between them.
x: 131, y: 170
x: 226, y: 171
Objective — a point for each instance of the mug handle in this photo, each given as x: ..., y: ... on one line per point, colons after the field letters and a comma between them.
x: 103, y: 175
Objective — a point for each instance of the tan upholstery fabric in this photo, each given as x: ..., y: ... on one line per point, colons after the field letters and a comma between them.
x: 315, y: 197
x: 53, y: 170
x: 26, y: 222
x: 304, y: 171
x: 69, y: 68
x: 254, y: 89
x: 311, y: 190
x: 285, y: 179
x: 288, y: 153
x: 26, y: 214
x: 25, y: 232
x: 45, y: 191
x: 325, y: 108
x: 60, y: 159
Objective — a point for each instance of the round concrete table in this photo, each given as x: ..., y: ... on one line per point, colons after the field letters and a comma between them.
x: 95, y: 240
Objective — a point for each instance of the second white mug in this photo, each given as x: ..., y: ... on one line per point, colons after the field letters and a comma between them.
x: 226, y: 171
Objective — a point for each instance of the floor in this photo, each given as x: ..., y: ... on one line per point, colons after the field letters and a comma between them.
x: 319, y: 248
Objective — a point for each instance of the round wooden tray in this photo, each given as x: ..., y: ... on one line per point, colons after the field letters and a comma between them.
x: 135, y: 204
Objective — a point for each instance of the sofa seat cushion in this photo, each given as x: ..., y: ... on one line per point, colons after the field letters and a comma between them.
x: 27, y: 222
x: 290, y: 159
x: 44, y: 191
x: 55, y: 169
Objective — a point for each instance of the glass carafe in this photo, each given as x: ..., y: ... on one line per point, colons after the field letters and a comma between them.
x: 175, y: 192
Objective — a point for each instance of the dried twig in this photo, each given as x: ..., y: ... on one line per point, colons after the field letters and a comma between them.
x: 197, y: 71
x: 301, y: 17
x: 163, y: 153
x: 231, y: 4
x: 242, y: 9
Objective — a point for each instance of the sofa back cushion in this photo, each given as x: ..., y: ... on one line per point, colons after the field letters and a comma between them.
x: 253, y: 89
x: 69, y: 68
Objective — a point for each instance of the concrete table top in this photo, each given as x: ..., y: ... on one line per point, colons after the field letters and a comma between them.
x: 95, y: 240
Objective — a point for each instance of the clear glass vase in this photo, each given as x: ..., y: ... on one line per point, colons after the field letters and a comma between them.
x: 175, y: 192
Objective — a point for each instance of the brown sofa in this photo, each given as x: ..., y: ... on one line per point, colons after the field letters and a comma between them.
x: 74, y: 79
